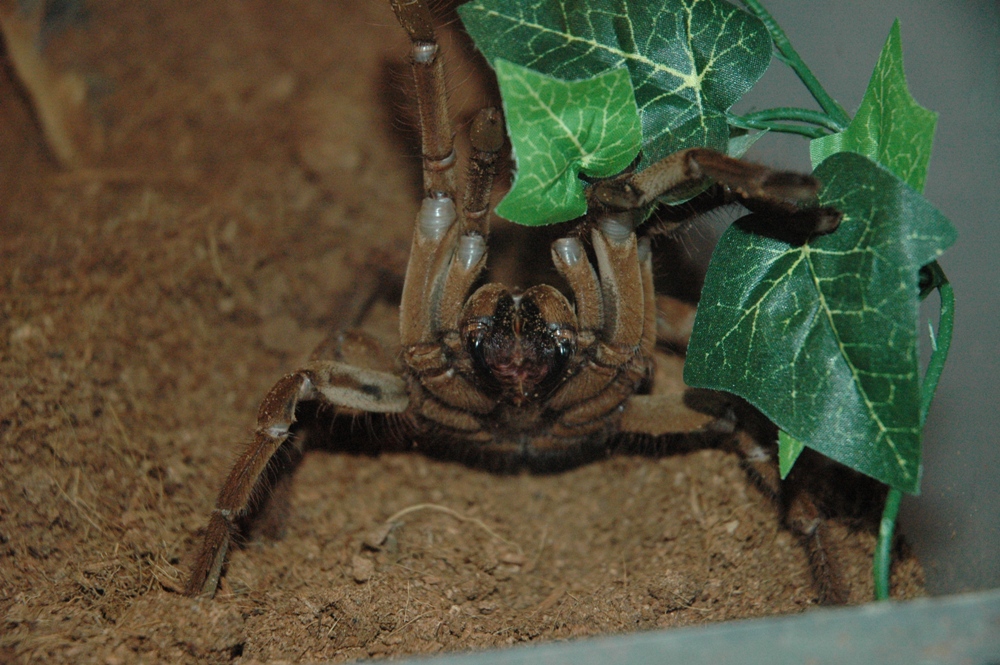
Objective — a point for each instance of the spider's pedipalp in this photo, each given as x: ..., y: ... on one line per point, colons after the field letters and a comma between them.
x: 434, y: 237
x: 471, y: 248
x: 621, y: 282
x: 466, y: 266
x: 570, y: 260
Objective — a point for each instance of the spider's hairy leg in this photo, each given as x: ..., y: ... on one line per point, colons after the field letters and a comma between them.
x: 674, y: 321
x: 436, y: 132
x: 469, y: 258
x: 663, y: 414
x: 445, y: 258
x: 800, y: 513
x: 665, y: 411
x: 435, y: 235
x: 625, y: 305
x: 786, y: 195
x: 437, y: 325
x: 487, y: 137
x: 804, y: 519
x: 348, y: 388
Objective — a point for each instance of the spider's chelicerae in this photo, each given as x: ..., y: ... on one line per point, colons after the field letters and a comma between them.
x: 532, y: 379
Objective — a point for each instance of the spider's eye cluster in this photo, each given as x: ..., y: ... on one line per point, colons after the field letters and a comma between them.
x: 520, y: 345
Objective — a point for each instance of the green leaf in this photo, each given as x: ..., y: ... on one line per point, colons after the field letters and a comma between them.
x: 741, y: 142
x: 890, y: 127
x: 789, y: 449
x: 821, y: 336
x: 558, y: 129
x: 690, y: 60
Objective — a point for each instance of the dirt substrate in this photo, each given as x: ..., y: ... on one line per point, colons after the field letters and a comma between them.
x: 253, y: 156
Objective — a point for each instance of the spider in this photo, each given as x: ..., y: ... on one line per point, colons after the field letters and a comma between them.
x: 522, y: 380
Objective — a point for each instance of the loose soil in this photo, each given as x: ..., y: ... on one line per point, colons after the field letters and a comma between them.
x: 254, y: 156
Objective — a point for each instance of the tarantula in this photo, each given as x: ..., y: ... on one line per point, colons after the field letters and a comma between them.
x: 527, y: 379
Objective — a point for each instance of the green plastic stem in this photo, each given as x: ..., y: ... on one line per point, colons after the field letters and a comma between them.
x: 946, y: 323
x: 804, y: 130
x: 789, y: 56
x: 883, y: 547
x: 791, y: 114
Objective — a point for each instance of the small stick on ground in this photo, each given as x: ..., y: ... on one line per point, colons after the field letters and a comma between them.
x: 395, y: 517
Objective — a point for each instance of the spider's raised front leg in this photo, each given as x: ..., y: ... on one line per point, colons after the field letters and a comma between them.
x: 348, y: 389
x: 788, y: 197
x: 445, y: 257
x: 448, y: 251
x: 786, y: 200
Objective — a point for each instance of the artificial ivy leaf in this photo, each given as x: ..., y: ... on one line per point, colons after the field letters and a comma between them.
x: 821, y: 336
x: 890, y: 127
x: 789, y: 449
x: 740, y: 143
x: 690, y: 60
x: 558, y: 129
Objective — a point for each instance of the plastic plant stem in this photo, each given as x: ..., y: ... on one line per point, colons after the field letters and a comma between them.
x: 946, y: 323
x: 883, y: 547
x: 785, y: 113
x: 808, y: 132
x: 788, y: 55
